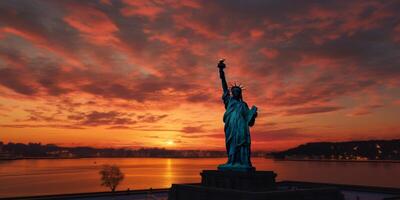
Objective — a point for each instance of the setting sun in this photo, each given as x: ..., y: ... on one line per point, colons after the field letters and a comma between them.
x: 169, y: 142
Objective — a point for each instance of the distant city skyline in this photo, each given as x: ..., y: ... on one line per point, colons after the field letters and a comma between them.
x: 143, y: 73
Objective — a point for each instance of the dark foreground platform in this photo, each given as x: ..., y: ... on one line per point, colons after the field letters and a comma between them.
x: 197, y: 192
x: 254, y: 185
x: 350, y: 192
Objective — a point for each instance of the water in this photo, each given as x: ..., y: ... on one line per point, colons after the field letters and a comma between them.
x: 46, y: 176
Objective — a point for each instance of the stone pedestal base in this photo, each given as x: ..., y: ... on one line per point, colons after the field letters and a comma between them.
x: 249, y: 181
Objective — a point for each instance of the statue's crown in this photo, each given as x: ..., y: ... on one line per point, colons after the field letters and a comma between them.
x: 237, y: 85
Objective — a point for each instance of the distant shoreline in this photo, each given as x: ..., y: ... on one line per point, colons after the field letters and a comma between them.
x: 275, y: 159
x: 53, y: 158
x: 337, y: 160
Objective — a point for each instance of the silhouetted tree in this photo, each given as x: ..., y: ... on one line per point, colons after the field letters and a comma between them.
x: 111, y: 176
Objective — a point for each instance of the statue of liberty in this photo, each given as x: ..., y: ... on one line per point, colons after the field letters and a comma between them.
x: 237, y: 118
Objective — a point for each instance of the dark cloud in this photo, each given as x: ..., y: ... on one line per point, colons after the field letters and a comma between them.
x: 320, y: 89
x: 96, y: 118
x: 365, y: 110
x: 149, y: 118
x: 50, y: 78
x: 279, y: 135
x: 312, y: 110
x: 41, y: 115
x: 193, y: 129
x: 202, y: 97
x: 12, y: 79
x: 112, y: 91
x: 60, y: 126
x: 213, y: 135
x: 118, y: 127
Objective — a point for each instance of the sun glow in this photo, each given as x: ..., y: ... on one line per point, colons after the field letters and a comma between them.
x: 169, y: 142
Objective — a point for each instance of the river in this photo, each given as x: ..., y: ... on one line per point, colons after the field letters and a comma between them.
x: 59, y: 176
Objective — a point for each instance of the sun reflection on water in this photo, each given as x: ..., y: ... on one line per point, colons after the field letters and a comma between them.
x: 168, y: 170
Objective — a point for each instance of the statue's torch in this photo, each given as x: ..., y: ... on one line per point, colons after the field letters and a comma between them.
x: 221, y: 64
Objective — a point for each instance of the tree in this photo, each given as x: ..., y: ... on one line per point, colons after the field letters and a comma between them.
x: 111, y: 176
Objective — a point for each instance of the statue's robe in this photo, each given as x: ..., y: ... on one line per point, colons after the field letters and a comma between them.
x: 237, y: 118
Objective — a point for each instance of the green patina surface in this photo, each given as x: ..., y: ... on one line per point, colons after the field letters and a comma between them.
x: 237, y: 118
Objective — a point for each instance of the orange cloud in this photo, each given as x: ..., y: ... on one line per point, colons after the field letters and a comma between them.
x: 93, y: 24
x: 270, y: 53
x: 142, y: 8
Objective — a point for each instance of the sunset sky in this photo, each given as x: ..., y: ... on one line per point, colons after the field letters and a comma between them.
x: 143, y: 73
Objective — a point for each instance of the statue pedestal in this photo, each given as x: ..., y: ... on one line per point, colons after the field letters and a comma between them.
x: 237, y: 180
x: 252, y: 185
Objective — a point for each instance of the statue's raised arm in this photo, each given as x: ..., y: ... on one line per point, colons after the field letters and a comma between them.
x: 221, y: 66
